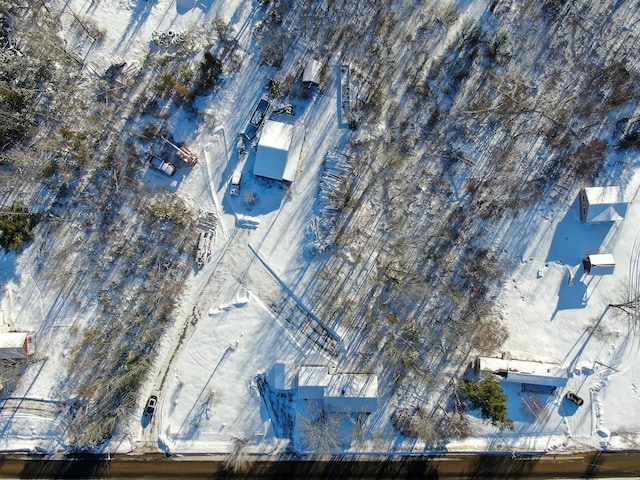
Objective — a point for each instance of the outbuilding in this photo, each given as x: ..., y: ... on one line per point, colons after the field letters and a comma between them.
x: 278, y: 151
x: 15, y: 345
x: 311, y: 74
x: 338, y: 392
x: 602, y: 204
x: 599, y: 264
x: 523, y: 371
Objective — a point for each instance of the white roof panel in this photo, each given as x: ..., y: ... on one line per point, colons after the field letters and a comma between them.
x: 604, y: 195
x: 13, y: 339
x: 601, y: 259
x: 273, y: 159
x: 312, y: 72
x: 341, y: 392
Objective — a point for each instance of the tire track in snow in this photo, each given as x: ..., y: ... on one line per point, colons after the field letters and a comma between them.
x: 625, y: 354
x: 218, y: 146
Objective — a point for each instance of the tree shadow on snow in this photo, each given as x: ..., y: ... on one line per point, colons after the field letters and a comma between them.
x: 138, y: 17
x: 183, y: 6
x: 8, y: 264
x: 573, y: 240
x: 567, y: 408
x: 571, y: 295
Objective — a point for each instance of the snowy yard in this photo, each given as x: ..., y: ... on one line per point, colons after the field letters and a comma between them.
x: 267, y: 294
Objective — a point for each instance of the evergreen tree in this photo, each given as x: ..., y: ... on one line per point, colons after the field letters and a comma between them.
x: 488, y: 396
x: 16, y: 225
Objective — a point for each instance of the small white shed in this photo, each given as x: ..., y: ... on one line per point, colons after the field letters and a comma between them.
x: 599, y: 264
x: 15, y: 345
x: 602, y: 204
x: 311, y: 74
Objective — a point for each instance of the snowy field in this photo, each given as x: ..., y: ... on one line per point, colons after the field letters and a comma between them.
x: 225, y: 332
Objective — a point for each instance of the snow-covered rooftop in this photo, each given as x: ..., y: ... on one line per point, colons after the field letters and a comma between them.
x: 209, y: 395
x: 608, y: 195
x: 338, y: 384
x: 311, y: 74
x: 491, y: 364
x: 603, y: 204
x: 275, y: 157
x: 13, y: 339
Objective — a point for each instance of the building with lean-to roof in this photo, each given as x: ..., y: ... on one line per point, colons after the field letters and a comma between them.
x: 278, y: 152
x: 311, y: 73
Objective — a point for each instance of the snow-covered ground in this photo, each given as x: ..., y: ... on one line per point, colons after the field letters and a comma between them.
x: 225, y: 333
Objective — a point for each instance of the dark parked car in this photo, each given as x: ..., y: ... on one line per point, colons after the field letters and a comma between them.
x: 572, y: 397
x: 151, y: 405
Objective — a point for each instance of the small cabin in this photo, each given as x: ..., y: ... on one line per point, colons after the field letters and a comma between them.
x: 311, y: 74
x: 599, y: 264
x: 602, y: 204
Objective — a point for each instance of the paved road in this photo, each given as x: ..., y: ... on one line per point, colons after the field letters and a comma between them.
x: 588, y: 465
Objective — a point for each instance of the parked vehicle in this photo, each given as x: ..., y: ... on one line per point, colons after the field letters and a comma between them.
x: 235, y: 184
x: 151, y: 405
x: 259, y: 113
x: 162, y: 166
x: 572, y: 397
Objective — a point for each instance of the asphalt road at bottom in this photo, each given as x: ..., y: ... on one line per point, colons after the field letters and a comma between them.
x: 579, y: 465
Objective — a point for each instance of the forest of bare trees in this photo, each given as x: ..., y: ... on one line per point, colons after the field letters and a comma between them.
x: 455, y: 132
x: 61, y: 133
x: 478, y: 116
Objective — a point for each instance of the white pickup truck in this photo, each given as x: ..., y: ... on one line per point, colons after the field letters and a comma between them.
x: 235, y: 184
x: 162, y: 166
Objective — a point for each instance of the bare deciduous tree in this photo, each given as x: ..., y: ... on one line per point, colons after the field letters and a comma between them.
x: 320, y: 430
x: 239, y: 461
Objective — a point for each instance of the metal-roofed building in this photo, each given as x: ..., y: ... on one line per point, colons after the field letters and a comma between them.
x: 602, y: 204
x: 278, y: 151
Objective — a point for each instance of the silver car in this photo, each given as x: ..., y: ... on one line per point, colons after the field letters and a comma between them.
x: 162, y: 166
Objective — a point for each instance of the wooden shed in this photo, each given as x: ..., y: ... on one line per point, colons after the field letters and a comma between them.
x: 599, y: 264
